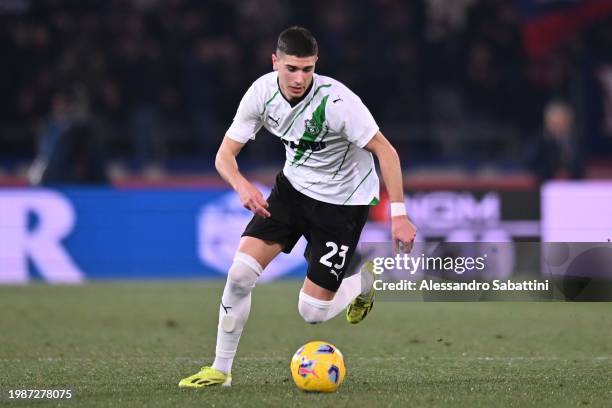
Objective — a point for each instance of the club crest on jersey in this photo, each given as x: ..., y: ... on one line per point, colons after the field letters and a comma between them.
x: 312, y: 126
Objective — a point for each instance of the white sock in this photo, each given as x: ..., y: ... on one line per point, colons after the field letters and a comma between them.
x: 349, y: 289
x: 315, y: 310
x: 234, y: 309
x: 223, y: 364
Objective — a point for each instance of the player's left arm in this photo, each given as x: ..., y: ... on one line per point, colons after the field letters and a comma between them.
x: 402, y: 229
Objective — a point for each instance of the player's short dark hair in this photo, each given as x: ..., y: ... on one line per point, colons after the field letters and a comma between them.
x: 297, y: 41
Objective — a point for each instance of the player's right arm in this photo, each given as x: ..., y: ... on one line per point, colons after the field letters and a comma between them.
x: 227, y: 166
x: 245, y: 126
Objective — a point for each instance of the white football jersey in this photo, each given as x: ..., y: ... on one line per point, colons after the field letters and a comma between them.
x: 324, y: 136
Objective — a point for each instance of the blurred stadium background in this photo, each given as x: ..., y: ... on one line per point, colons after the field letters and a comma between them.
x: 487, y: 102
x: 111, y: 113
x: 459, y: 88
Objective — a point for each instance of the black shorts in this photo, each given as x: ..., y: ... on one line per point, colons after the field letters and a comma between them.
x: 332, y: 231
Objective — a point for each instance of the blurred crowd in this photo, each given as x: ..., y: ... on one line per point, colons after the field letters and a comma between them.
x: 160, y: 80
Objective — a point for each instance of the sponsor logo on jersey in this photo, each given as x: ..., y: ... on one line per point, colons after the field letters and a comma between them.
x: 305, y: 145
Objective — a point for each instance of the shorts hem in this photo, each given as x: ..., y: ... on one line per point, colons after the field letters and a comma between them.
x: 286, y: 248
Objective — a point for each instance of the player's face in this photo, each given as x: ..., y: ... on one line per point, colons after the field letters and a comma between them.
x: 294, y: 73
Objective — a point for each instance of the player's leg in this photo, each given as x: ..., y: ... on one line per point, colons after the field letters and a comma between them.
x: 317, y: 304
x: 332, y: 243
x: 261, y: 241
x: 251, y: 259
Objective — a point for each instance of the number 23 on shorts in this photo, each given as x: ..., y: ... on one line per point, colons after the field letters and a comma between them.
x: 334, y: 250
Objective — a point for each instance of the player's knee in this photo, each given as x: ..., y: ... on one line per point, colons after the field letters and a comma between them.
x: 312, y: 314
x: 313, y: 310
x: 243, y: 273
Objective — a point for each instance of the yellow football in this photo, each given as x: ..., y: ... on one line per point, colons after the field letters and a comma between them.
x: 318, y: 366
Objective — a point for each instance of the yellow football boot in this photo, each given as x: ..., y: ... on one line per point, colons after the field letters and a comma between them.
x: 359, y: 308
x: 206, y: 377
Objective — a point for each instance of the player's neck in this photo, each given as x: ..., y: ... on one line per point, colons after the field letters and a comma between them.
x: 294, y: 102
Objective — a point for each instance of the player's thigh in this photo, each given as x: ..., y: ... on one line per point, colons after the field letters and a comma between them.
x: 319, y: 292
x: 331, y: 246
x: 262, y: 251
x: 277, y: 231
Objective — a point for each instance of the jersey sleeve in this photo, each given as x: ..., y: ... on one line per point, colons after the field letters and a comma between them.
x: 247, y: 121
x: 353, y: 119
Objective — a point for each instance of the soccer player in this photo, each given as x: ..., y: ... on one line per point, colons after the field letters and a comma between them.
x: 323, y: 193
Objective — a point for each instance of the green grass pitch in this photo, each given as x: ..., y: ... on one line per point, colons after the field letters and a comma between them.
x: 128, y: 344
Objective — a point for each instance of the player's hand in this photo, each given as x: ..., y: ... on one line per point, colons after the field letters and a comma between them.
x: 252, y: 199
x: 403, y: 233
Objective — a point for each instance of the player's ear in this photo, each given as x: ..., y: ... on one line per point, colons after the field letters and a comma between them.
x: 274, y: 62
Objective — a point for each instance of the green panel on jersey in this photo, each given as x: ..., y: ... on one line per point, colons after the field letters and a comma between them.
x: 358, y: 185
x: 374, y: 201
x: 313, y: 128
x: 310, y: 152
x: 305, y: 106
